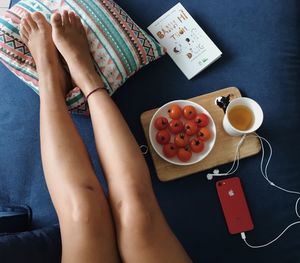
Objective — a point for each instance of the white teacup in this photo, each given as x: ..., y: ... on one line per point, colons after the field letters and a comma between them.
x: 237, y: 120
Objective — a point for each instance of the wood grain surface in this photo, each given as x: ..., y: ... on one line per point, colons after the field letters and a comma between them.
x: 225, y: 146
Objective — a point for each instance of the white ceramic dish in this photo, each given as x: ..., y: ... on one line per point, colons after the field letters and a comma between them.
x: 196, y: 157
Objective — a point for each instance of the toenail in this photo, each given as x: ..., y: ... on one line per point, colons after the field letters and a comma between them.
x: 36, y: 16
x: 57, y: 17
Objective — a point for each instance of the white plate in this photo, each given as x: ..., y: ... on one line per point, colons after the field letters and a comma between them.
x: 196, y: 157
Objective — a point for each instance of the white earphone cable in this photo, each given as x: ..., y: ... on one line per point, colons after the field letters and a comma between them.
x: 243, y: 235
x: 235, y: 164
x: 264, y: 172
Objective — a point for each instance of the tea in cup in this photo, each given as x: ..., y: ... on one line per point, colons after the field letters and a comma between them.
x: 243, y: 115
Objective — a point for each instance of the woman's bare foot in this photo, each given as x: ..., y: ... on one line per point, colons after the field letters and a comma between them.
x: 36, y: 34
x: 70, y: 39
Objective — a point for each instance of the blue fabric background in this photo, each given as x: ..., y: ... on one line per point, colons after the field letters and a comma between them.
x: 260, y: 41
x: 40, y: 245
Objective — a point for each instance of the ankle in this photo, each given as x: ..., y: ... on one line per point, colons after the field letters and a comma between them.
x: 90, y: 82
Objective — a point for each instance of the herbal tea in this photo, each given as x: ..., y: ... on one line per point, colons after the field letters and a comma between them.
x: 241, y: 117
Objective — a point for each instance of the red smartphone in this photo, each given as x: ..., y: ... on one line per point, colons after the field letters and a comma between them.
x: 234, y: 205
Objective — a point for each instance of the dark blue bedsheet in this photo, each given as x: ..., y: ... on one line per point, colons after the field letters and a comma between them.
x: 260, y: 41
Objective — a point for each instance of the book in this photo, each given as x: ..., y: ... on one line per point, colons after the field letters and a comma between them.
x: 185, y: 41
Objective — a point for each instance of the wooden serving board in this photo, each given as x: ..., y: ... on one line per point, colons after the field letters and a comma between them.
x: 225, y: 146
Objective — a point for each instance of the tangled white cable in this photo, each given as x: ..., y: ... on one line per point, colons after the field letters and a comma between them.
x: 264, y: 172
x: 235, y: 164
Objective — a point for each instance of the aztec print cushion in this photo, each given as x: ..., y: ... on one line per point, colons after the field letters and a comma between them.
x: 118, y: 45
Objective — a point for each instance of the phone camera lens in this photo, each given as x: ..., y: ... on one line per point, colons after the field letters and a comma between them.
x: 220, y: 183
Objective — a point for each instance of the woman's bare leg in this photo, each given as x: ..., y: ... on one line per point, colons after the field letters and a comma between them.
x: 86, y: 225
x: 143, y: 234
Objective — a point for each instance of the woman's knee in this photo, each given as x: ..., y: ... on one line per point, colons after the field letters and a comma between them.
x: 86, y: 206
x: 139, y: 212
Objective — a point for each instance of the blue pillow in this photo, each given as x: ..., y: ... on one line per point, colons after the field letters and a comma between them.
x: 41, y: 245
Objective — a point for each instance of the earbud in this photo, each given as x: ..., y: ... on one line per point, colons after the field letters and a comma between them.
x: 215, y: 173
x: 209, y: 176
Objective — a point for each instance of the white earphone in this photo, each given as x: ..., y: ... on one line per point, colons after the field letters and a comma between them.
x: 264, y: 172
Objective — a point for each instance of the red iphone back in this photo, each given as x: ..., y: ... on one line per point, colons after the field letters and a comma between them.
x: 234, y: 205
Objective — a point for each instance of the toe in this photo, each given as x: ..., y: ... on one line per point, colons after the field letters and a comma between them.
x: 39, y: 19
x: 31, y: 22
x: 24, y: 37
x: 56, y: 21
x: 24, y: 34
x: 25, y: 26
x: 72, y: 18
x: 78, y: 21
x: 66, y: 20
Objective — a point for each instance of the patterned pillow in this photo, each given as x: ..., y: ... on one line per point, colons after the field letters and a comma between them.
x: 118, y: 45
